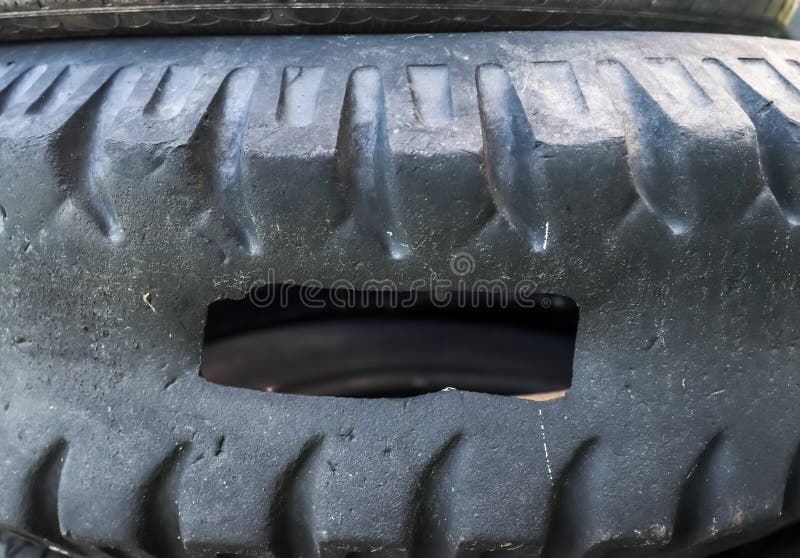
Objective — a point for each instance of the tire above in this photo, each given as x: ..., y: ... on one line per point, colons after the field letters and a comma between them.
x: 57, y: 18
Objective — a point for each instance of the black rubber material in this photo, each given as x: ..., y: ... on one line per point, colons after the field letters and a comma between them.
x: 57, y: 18
x: 782, y: 544
x: 12, y: 546
x: 653, y: 178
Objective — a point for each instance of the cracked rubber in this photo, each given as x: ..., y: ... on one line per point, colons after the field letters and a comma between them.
x: 27, y: 19
x: 653, y: 178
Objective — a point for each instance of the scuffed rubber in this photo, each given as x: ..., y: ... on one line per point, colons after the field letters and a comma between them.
x: 27, y: 19
x: 653, y: 178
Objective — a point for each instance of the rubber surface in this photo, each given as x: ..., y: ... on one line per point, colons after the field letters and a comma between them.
x: 12, y: 546
x: 52, y: 18
x: 652, y: 178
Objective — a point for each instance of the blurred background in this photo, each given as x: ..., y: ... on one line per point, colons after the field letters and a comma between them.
x: 794, y: 28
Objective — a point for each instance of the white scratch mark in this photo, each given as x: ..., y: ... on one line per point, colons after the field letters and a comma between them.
x: 546, y: 453
x: 147, y: 298
x: 546, y: 234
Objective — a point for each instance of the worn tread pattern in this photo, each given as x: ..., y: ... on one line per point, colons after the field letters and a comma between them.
x: 648, y: 177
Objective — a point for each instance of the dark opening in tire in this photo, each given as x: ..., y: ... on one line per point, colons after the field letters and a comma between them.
x: 385, y: 343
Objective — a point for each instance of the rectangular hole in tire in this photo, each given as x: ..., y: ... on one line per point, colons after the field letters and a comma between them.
x: 387, y: 343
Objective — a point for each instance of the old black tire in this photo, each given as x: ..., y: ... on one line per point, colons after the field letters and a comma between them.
x: 51, y: 18
x: 654, y: 179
